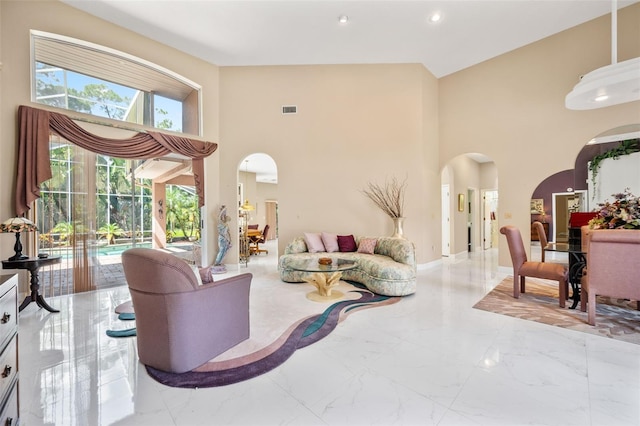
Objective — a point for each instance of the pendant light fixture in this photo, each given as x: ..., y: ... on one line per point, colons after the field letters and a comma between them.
x: 610, y: 85
x: 246, y: 206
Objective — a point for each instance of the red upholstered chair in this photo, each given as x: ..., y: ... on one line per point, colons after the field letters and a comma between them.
x: 180, y: 323
x: 612, y: 257
x: 542, y: 237
x: 523, y: 268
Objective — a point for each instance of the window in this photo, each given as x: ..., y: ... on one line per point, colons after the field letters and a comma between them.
x: 92, y: 79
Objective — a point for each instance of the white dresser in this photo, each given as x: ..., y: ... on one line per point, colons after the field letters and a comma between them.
x: 9, y: 407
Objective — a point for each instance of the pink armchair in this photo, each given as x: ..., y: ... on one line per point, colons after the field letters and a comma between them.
x: 612, y: 263
x: 523, y: 268
x: 180, y: 323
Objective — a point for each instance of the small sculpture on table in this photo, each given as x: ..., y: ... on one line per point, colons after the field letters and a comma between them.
x: 224, y: 241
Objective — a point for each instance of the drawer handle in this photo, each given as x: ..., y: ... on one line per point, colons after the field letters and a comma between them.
x: 6, y: 317
x: 6, y: 372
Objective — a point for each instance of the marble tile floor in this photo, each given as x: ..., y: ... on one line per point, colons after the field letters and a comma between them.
x: 429, y: 360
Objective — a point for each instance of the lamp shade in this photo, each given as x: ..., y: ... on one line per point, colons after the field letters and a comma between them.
x: 17, y: 225
x: 247, y: 206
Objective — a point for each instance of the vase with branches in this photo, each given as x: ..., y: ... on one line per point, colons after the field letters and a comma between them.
x: 390, y: 199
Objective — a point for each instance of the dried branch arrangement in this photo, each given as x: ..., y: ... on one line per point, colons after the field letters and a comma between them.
x: 389, y: 197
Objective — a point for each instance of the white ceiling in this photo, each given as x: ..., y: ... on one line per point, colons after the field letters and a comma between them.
x: 289, y: 32
x: 264, y: 32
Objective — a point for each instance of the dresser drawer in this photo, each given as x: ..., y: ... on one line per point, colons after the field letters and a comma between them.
x: 10, y: 415
x: 8, y: 314
x: 8, y: 367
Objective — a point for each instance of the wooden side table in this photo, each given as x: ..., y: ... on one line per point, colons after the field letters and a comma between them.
x: 33, y: 264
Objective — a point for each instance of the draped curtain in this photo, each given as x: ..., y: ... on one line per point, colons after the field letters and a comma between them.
x: 35, y: 126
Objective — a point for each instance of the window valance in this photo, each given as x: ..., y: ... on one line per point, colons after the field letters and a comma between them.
x: 34, y: 168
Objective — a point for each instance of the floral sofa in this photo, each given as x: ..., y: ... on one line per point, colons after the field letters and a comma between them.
x: 390, y: 270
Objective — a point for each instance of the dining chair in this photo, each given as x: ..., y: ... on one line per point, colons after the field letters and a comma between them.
x: 612, y: 271
x: 523, y: 268
x: 542, y: 237
x: 260, y: 239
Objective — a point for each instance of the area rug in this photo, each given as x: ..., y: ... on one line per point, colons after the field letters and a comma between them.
x: 615, y: 318
x: 273, y: 342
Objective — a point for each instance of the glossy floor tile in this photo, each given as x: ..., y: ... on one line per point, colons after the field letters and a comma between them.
x: 429, y: 360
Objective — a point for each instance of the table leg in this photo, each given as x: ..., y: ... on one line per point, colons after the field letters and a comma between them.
x: 35, y: 295
x: 576, y: 266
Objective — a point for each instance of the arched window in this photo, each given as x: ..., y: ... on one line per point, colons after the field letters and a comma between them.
x: 80, y: 76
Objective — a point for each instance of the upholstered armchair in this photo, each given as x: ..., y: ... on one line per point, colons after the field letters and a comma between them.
x: 523, y: 268
x: 181, y: 323
x: 612, y: 263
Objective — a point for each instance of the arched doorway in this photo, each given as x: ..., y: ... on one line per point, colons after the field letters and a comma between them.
x: 469, y: 204
x: 257, y: 208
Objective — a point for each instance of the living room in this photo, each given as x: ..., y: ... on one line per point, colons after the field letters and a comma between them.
x: 356, y: 124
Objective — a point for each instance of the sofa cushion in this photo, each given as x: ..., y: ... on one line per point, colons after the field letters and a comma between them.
x: 330, y: 242
x: 367, y: 245
x: 314, y: 242
x: 347, y: 243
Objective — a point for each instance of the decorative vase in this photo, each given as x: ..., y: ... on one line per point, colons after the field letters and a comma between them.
x: 397, y: 227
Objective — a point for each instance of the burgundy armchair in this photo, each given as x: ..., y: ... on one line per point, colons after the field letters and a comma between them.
x: 523, y: 268
x: 612, y: 256
x: 180, y: 323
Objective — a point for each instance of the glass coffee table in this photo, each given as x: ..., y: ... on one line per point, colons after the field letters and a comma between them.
x: 323, y: 277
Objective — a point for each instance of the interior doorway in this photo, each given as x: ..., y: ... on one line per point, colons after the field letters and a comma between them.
x: 257, y: 206
x: 489, y: 222
x: 563, y: 204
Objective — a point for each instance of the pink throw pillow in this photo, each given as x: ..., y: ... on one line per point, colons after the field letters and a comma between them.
x: 314, y: 242
x: 367, y: 245
x: 330, y: 242
x: 347, y: 243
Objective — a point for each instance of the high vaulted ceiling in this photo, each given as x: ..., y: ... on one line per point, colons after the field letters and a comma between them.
x: 308, y: 32
x: 265, y: 32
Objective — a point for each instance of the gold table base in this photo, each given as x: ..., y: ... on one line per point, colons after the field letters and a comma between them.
x: 324, y: 284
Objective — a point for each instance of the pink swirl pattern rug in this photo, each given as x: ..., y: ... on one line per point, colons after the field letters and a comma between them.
x: 270, y: 346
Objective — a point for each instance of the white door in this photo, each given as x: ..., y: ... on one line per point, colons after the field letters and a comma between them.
x: 446, y: 222
x: 490, y: 207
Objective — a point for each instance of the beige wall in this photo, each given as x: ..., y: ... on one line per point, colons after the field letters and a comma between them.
x: 355, y: 124
x: 18, y: 17
x: 511, y: 109
x: 359, y: 123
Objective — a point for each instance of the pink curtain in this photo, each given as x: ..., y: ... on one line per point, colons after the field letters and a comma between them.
x: 34, y: 168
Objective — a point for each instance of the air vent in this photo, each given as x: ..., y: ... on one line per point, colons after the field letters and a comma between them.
x: 289, y: 109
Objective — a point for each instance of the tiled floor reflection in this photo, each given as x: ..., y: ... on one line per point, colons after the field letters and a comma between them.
x: 429, y: 360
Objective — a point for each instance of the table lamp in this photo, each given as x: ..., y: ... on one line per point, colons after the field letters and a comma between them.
x: 18, y: 225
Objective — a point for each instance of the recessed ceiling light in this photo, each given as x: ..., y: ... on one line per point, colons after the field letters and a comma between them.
x: 435, y: 17
x: 343, y: 19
